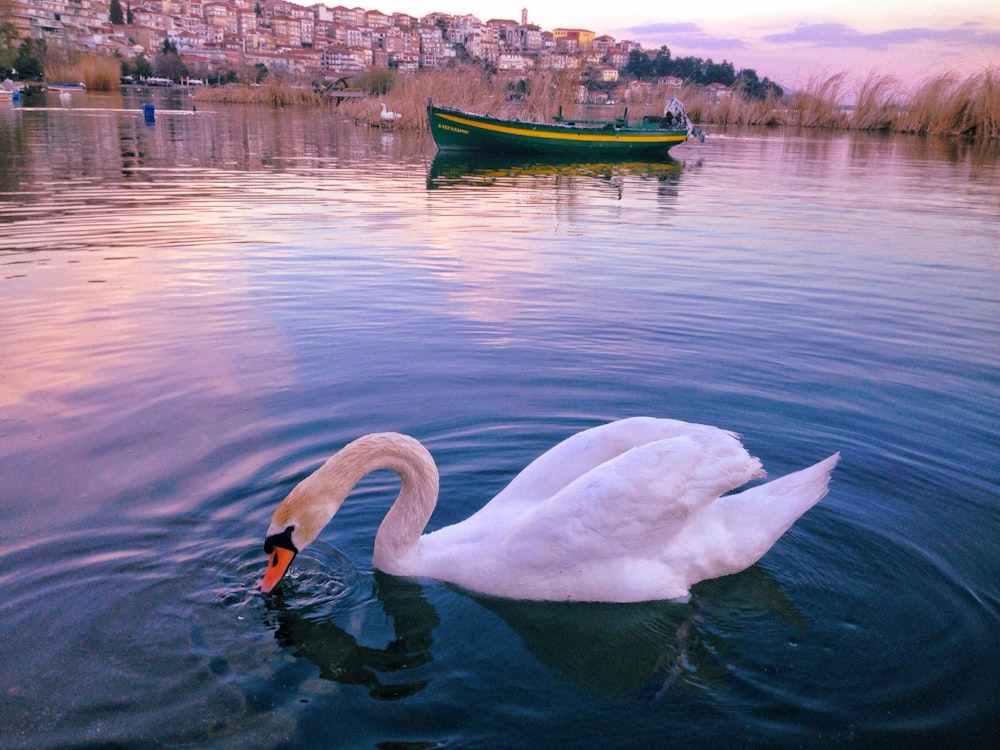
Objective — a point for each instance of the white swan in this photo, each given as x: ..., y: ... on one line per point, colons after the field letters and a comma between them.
x: 628, y: 511
x: 388, y: 116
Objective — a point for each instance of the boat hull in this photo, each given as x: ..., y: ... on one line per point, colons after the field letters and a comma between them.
x: 454, y: 130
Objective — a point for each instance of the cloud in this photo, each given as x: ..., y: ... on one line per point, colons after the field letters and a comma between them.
x: 666, y: 28
x: 842, y: 35
x: 682, y: 35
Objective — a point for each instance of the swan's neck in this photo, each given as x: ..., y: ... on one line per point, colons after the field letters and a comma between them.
x: 396, y: 540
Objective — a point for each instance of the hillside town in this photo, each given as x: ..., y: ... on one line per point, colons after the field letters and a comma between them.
x: 215, y: 35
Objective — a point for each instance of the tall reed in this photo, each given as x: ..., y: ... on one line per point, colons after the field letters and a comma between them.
x: 274, y: 92
x: 466, y: 88
x: 472, y: 89
x: 818, y: 105
x: 547, y: 92
x: 877, y: 105
x: 950, y: 105
x: 96, y: 72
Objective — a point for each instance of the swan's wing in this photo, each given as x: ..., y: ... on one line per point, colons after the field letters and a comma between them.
x: 743, y: 526
x: 585, y: 451
x: 632, y: 505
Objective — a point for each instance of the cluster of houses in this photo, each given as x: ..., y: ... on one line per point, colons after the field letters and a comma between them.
x: 337, y: 41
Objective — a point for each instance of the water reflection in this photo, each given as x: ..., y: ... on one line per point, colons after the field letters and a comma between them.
x: 491, y: 170
x: 385, y: 671
x: 199, y: 309
x: 644, y: 649
x: 641, y: 650
x: 105, y: 137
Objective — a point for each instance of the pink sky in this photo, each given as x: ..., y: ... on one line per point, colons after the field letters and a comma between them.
x: 786, y: 40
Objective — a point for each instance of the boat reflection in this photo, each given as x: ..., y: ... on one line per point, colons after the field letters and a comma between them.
x: 481, y: 170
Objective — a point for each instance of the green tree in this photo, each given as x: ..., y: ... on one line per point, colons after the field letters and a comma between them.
x: 8, y: 38
x: 30, y: 60
x: 687, y: 68
x: 722, y: 72
x: 129, y: 15
x: 753, y: 88
x: 377, y: 81
x: 7, y: 56
x: 662, y: 63
x: 137, y: 67
x: 703, y: 72
x: 169, y: 63
x: 639, y: 65
x: 143, y: 67
x: 115, y: 15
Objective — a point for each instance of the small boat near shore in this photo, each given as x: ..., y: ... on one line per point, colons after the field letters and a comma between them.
x: 64, y: 86
x: 456, y: 130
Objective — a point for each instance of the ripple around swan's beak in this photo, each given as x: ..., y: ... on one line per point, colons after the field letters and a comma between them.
x: 277, y: 566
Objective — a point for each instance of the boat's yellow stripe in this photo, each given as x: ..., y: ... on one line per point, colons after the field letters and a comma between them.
x: 581, y: 135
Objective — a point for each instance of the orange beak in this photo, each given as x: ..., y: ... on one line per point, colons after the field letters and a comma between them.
x: 277, y: 566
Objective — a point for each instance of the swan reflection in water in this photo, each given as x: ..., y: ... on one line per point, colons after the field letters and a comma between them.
x: 341, y: 658
x: 642, y: 649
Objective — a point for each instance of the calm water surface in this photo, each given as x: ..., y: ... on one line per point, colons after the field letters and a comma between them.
x: 195, y: 314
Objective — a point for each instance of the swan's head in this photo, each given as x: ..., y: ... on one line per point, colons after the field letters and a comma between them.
x: 298, y: 520
x: 280, y: 549
x: 301, y: 516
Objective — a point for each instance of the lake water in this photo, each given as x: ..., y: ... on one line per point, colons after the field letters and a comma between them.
x: 195, y: 314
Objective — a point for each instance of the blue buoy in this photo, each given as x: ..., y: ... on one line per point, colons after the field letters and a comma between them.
x: 149, y: 113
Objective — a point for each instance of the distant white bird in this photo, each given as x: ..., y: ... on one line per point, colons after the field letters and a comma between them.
x: 633, y: 510
x: 388, y: 116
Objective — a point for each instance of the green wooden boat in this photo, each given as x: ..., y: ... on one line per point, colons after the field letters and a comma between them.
x: 455, y: 130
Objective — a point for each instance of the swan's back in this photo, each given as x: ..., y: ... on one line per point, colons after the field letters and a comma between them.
x: 587, y: 450
x: 628, y: 511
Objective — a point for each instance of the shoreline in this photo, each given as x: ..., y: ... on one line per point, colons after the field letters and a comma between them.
x: 944, y: 105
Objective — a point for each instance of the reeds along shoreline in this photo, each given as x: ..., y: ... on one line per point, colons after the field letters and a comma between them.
x: 947, y: 104
x: 273, y: 93
x: 96, y: 72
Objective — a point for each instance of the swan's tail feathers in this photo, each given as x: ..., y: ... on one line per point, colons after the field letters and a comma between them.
x: 753, y: 520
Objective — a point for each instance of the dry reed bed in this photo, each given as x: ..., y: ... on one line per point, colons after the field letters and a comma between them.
x: 468, y: 89
x: 272, y: 93
x: 96, y: 72
x: 945, y: 104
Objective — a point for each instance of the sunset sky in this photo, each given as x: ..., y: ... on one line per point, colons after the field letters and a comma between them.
x: 786, y: 40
